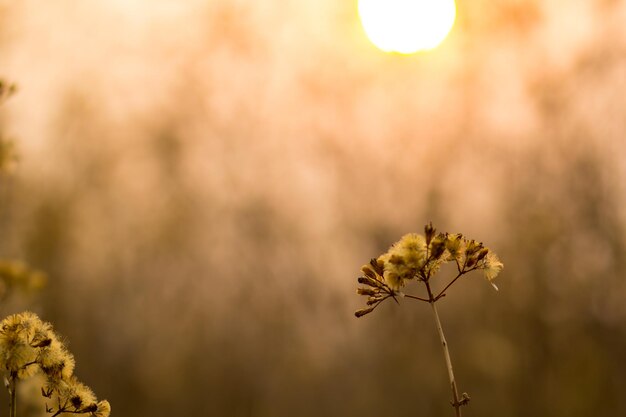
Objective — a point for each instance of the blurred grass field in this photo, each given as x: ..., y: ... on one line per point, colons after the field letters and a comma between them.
x: 201, y: 182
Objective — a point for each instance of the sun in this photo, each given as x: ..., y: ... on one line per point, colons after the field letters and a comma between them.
x: 407, y: 26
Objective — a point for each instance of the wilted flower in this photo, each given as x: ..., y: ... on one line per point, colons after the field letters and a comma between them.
x: 492, y: 267
x: 403, y: 260
x: 76, y: 394
x: 103, y: 409
x: 55, y: 361
x: 16, y: 350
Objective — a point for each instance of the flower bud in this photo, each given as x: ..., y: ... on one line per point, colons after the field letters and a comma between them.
x: 472, y: 248
x: 104, y: 409
x: 429, y: 232
x: 364, y: 311
x: 374, y: 300
x: 366, y: 291
x: 369, y: 281
x: 438, y: 246
x: 378, y: 266
x: 368, y: 271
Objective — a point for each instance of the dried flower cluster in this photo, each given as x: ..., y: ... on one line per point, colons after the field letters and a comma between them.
x: 29, y: 346
x: 419, y: 257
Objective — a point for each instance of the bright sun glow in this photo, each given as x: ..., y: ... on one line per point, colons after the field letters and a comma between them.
x: 407, y: 26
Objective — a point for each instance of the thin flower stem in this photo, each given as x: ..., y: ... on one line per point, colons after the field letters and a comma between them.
x: 461, y: 273
x: 65, y: 410
x: 448, y: 286
x: 13, y: 395
x: 373, y: 308
x: 455, y: 393
x: 416, y: 298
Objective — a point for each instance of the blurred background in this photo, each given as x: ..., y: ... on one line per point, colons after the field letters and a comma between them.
x: 202, y: 180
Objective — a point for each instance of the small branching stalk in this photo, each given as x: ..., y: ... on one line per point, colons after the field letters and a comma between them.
x: 29, y: 346
x: 419, y: 258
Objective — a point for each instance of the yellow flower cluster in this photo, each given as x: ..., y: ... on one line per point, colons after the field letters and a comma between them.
x: 419, y: 257
x: 29, y: 346
x: 403, y: 260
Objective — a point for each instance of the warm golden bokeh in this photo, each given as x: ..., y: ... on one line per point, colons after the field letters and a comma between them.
x: 201, y: 181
